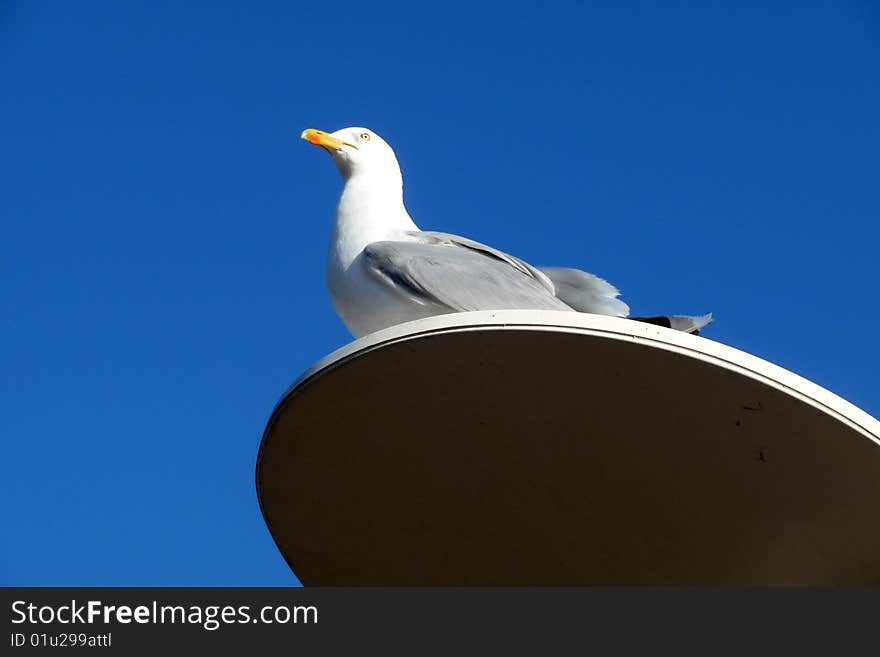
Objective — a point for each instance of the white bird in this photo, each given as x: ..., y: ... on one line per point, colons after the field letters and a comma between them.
x: 383, y: 270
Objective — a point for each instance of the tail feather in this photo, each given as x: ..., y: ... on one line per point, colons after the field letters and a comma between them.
x: 586, y: 292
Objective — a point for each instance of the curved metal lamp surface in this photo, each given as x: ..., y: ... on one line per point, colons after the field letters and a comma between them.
x: 555, y: 448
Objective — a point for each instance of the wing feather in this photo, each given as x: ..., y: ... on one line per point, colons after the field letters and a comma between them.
x: 459, y: 274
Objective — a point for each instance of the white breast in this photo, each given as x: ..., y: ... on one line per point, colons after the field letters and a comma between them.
x: 366, y: 213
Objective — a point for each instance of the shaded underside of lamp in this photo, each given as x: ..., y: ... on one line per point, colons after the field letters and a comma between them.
x: 552, y: 448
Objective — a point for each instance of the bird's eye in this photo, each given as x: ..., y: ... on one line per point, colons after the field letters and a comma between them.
x: 365, y: 136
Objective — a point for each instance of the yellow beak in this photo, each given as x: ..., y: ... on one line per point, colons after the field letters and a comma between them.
x: 326, y: 141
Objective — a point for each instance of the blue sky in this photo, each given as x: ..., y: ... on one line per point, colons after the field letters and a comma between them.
x: 164, y: 229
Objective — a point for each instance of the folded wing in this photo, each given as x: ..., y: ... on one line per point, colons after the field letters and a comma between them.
x: 459, y: 274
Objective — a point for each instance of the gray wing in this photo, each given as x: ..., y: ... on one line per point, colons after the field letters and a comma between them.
x: 448, y: 239
x: 577, y: 289
x: 459, y: 274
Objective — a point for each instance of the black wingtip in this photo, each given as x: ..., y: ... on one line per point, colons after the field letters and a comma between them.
x: 659, y: 321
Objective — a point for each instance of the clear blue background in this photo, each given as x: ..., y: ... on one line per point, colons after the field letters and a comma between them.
x: 164, y: 229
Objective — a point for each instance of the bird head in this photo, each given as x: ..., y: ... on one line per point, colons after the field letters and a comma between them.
x: 355, y: 151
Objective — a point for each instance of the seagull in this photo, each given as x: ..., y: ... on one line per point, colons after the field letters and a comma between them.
x: 383, y: 270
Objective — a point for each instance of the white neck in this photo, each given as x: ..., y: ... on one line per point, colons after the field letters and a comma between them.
x: 370, y: 209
